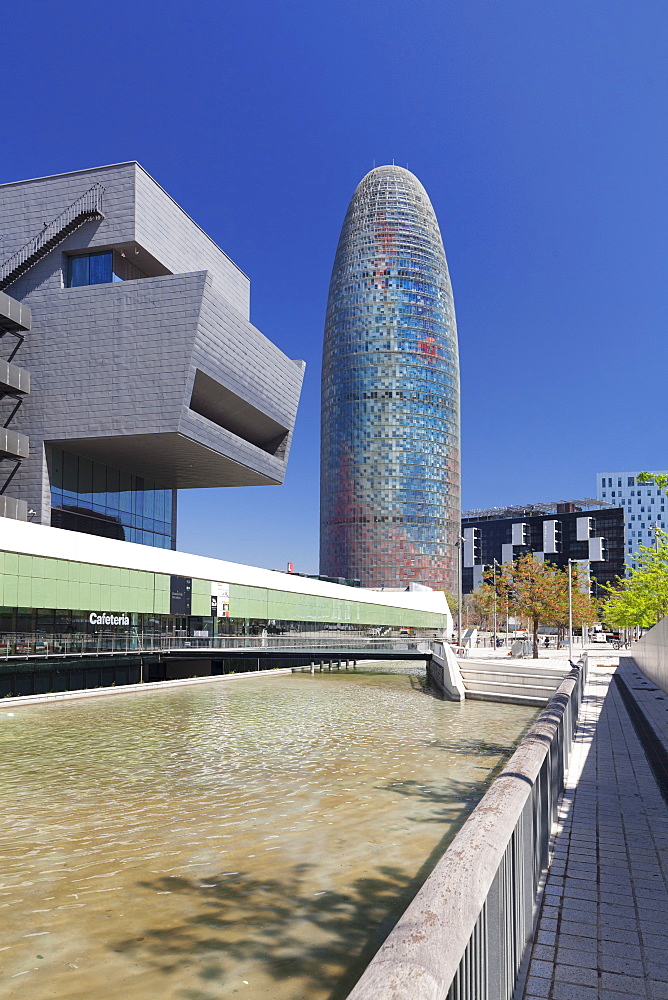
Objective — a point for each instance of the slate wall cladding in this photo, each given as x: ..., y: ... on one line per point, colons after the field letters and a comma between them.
x: 119, y: 360
x: 181, y: 245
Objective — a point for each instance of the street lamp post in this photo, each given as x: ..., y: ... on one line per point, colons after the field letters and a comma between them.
x: 494, y: 565
x: 570, y: 609
x: 655, y: 529
x: 460, y: 540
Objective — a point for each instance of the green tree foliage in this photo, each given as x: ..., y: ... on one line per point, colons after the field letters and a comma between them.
x: 641, y: 598
x: 481, y: 606
x: 653, y: 477
x: 539, y: 591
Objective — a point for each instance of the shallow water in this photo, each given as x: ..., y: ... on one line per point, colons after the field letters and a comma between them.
x: 249, y: 839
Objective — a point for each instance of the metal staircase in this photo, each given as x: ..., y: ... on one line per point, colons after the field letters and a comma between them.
x: 15, y: 321
x: 85, y: 208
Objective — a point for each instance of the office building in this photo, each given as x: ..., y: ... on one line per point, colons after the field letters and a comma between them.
x: 390, y: 466
x: 65, y: 597
x: 591, y: 532
x: 644, y: 506
x: 130, y: 365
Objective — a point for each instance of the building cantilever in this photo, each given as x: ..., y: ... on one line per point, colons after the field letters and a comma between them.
x: 147, y: 374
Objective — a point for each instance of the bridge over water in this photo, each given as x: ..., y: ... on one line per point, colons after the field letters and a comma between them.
x: 36, y: 664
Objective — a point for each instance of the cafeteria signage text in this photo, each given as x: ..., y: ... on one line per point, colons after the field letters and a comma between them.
x: 106, y: 619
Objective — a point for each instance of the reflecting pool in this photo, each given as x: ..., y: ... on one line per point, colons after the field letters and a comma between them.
x: 249, y: 839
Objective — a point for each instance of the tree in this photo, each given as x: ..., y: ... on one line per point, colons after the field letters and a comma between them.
x: 533, y: 590
x: 476, y: 607
x: 653, y: 477
x: 482, y: 605
x: 540, y: 592
x: 641, y: 598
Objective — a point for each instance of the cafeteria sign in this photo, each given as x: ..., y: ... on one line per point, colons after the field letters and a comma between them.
x: 107, y: 619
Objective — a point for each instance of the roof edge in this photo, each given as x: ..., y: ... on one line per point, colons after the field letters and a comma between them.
x: 137, y: 165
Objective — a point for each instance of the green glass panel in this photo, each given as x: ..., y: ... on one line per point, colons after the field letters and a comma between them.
x: 10, y: 591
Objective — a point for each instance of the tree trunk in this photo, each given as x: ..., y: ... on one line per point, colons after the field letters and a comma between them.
x: 535, y: 638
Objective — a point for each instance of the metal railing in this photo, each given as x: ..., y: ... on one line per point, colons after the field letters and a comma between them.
x: 464, y: 934
x: 39, y: 646
x: 88, y: 206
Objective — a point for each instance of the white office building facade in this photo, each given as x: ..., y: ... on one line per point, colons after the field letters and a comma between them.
x: 645, y: 506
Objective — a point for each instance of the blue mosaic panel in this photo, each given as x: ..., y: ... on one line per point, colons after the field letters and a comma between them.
x: 390, y: 465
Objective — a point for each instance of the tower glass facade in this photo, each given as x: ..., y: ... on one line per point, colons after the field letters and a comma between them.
x: 390, y: 455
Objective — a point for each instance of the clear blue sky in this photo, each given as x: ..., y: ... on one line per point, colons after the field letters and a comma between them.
x: 539, y: 130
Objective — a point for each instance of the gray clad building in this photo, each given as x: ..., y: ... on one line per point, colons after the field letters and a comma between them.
x: 129, y: 367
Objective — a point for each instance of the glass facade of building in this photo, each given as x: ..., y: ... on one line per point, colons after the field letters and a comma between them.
x: 495, y: 531
x: 94, y: 498
x: 390, y: 455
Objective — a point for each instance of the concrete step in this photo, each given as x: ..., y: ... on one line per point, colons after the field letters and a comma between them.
x: 507, y: 699
x: 513, y: 666
x: 511, y: 677
x: 508, y: 687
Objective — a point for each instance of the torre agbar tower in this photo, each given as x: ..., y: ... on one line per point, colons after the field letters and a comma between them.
x: 390, y: 465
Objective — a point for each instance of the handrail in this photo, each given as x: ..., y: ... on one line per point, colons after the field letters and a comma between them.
x: 23, y: 646
x: 89, y: 204
x: 464, y: 934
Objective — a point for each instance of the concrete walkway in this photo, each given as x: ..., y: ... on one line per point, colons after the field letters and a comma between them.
x: 603, y: 929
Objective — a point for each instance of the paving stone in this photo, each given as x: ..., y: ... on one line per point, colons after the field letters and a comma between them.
x: 614, y: 981
x: 615, y: 995
x: 610, y: 919
x: 617, y: 909
x: 539, y: 968
x: 578, y: 943
x: 546, y: 937
x: 573, y: 991
x: 576, y: 927
x: 629, y: 948
x: 576, y: 956
x: 544, y: 952
x: 622, y: 964
x: 658, y: 957
x: 575, y: 974
x: 537, y: 986
x: 614, y: 937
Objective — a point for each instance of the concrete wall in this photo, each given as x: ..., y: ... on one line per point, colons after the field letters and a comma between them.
x: 178, y: 669
x: 444, y: 673
x: 651, y: 654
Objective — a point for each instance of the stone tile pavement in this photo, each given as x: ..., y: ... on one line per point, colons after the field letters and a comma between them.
x: 603, y: 926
